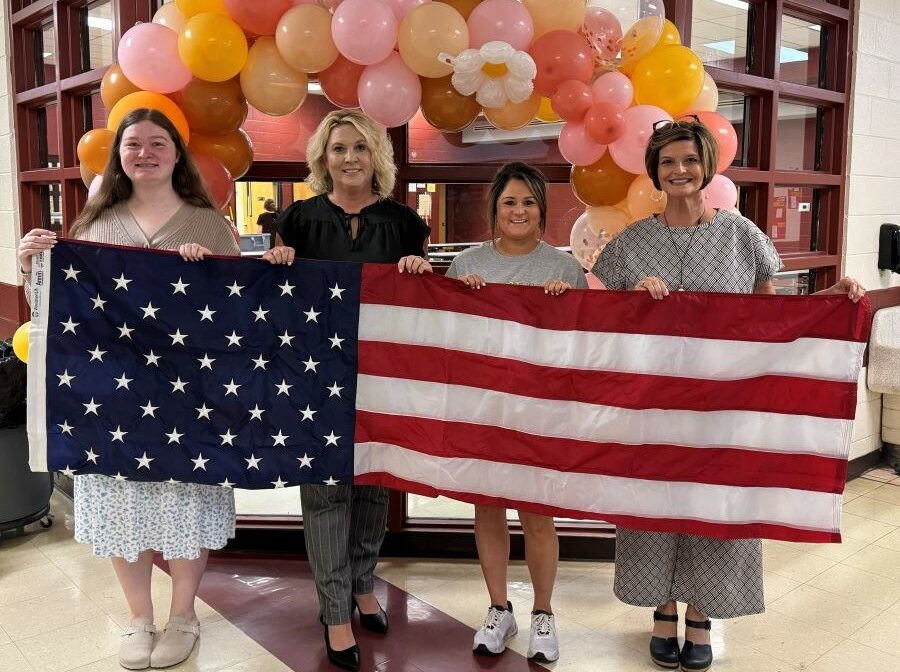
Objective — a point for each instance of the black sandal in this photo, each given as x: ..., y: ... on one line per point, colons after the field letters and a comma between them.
x: 696, y: 657
x: 664, y: 650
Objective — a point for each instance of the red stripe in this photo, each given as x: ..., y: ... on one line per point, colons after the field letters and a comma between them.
x: 776, y: 394
x: 737, y: 317
x: 655, y: 462
x: 699, y: 528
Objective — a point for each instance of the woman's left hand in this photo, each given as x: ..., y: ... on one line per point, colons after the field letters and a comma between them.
x: 280, y: 255
x: 556, y: 287
x: 414, y: 264
x: 192, y: 251
x: 849, y: 286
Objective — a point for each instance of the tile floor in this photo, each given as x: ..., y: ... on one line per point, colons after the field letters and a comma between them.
x: 830, y: 607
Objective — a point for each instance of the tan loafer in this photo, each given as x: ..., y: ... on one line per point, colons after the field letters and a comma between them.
x: 136, y: 645
x: 176, y: 643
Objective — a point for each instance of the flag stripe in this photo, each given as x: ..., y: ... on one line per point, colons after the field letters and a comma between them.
x: 36, y: 409
x: 628, y: 353
x: 719, y: 466
x: 771, y: 432
x: 603, y: 496
x: 777, y: 394
x: 747, y: 317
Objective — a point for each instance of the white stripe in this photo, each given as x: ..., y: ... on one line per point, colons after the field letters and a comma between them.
x: 794, y: 434
x: 711, y: 359
x: 609, y: 495
x: 36, y: 421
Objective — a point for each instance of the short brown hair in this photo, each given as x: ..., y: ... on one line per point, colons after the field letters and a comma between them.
x: 533, y: 178
x: 376, y: 137
x: 676, y: 131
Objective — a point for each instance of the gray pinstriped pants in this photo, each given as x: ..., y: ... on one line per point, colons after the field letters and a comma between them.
x: 344, y: 526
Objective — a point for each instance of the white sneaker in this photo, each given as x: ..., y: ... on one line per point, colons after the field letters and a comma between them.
x: 543, y: 646
x: 499, y: 627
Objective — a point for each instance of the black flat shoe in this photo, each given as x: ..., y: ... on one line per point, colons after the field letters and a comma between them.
x: 373, y: 622
x: 664, y: 650
x: 696, y: 657
x: 347, y: 659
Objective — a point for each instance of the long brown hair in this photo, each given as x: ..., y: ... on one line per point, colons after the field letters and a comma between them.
x: 116, y: 185
x: 533, y: 178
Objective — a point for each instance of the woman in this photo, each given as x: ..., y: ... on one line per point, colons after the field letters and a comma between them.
x: 516, y: 254
x: 352, y: 218
x: 151, y: 197
x: 694, y: 247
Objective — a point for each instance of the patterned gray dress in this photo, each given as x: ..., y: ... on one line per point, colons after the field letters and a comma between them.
x: 722, y: 579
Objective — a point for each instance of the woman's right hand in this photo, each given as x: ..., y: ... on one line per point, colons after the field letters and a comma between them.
x: 473, y: 280
x: 33, y: 242
x: 654, y: 285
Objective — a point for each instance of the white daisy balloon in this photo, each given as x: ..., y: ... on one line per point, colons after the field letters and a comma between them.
x: 496, y: 73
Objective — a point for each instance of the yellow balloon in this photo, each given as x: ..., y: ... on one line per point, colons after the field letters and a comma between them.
x: 189, y: 8
x: 550, y: 15
x: 545, y: 111
x: 513, y: 115
x: 427, y: 31
x: 270, y: 84
x: 20, y: 341
x: 670, y: 34
x: 213, y: 47
x: 670, y: 77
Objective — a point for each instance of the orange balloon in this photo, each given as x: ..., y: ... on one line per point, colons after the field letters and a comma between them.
x: 464, y: 7
x: 548, y: 15
x: 189, y: 8
x: 670, y: 34
x: 212, y: 46
x: 546, y: 112
x: 514, y: 115
x: 114, y: 86
x: 444, y: 107
x: 213, y: 108
x: 644, y: 199
x: 233, y: 150
x: 601, y: 183
x: 304, y: 38
x: 153, y: 101
x: 93, y: 148
x: 427, y: 31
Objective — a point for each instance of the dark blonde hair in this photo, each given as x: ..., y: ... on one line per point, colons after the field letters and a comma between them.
x: 676, y: 131
x: 533, y: 178
x: 376, y: 137
x: 116, y: 185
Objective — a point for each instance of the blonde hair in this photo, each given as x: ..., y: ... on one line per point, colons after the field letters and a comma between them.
x: 676, y: 131
x: 376, y: 137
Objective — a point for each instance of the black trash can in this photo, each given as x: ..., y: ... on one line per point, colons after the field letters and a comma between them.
x: 24, y: 496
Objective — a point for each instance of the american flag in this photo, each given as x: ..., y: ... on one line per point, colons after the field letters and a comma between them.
x: 722, y: 415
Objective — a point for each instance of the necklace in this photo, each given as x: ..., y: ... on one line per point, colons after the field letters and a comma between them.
x: 681, y: 255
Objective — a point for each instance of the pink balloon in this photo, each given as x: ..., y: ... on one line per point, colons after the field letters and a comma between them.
x: 390, y: 92
x: 364, y: 31
x: 719, y: 193
x: 628, y: 151
x: 95, y: 186
x: 603, y: 31
x: 403, y: 7
x: 613, y: 88
x: 148, y: 56
x: 504, y: 20
x: 577, y: 147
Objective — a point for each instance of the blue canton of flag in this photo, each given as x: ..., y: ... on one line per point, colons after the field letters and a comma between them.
x: 224, y: 372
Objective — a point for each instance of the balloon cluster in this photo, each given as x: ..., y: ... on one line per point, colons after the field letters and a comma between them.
x: 609, y: 73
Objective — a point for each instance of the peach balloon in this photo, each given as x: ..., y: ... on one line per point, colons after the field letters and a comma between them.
x: 114, y: 86
x: 233, y: 150
x: 271, y: 85
x: 93, y: 148
x: 427, y: 31
x: 87, y: 175
x: 607, y: 219
x: 169, y: 16
x: 708, y: 100
x: 213, y: 108
x: 561, y: 55
x: 644, y: 199
x: 549, y: 15
x: 153, y: 101
x: 303, y: 37
x: 514, y: 115
x: 640, y: 40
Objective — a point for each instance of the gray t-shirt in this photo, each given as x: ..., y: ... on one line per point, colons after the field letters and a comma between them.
x: 539, y: 266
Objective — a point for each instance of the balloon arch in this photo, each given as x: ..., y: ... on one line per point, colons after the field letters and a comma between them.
x: 609, y: 73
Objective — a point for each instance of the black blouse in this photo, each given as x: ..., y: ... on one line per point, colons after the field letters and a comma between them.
x: 318, y: 229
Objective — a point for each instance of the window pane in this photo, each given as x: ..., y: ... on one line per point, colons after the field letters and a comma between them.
x: 45, y: 56
x: 48, y: 136
x: 794, y: 282
x: 794, y: 221
x: 51, y: 207
x: 799, y: 130
x: 482, y: 143
x: 97, y: 41
x: 251, y: 196
x: 800, y: 49
x: 733, y: 106
x: 719, y: 33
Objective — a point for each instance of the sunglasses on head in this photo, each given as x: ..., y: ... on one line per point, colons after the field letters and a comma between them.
x: 686, y: 120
